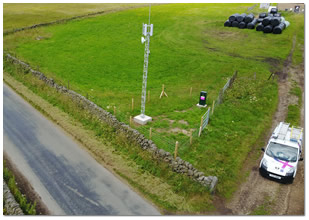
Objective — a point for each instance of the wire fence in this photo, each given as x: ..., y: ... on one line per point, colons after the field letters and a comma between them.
x: 170, y: 143
x: 228, y: 84
x: 167, y: 138
x: 219, y: 100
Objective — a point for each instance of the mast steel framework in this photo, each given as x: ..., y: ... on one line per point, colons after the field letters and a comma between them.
x: 147, y: 32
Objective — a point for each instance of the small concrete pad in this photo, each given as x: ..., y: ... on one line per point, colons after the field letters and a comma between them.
x: 201, y: 106
x: 142, y: 120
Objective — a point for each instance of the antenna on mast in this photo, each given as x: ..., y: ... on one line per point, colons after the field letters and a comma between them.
x: 149, y: 13
x: 147, y: 32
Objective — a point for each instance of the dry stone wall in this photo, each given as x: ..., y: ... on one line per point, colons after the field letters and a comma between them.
x: 177, y: 165
x: 11, y: 206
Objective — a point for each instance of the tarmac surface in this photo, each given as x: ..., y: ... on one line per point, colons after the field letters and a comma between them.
x: 68, y: 180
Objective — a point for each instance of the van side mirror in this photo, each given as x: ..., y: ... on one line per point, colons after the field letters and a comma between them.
x: 300, y: 159
x: 262, y: 149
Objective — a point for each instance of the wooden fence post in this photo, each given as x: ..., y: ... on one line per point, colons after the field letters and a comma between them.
x: 132, y: 104
x: 235, y: 74
x: 201, y: 122
x: 163, y: 92
x: 190, y: 136
x: 220, y: 96
x: 176, y: 150
x: 150, y: 133
x: 199, y: 133
x: 270, y: 76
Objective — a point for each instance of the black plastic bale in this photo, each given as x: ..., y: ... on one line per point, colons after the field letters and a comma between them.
x: 233, y: 17
x: 275, y: 21
x: 270, y: 15
x: 259, y: 20
x: 262, y: 15
x: 274, y: 10
x: 242, y: 25
x: 268, y: 29
x: 235, y: 24
x: 249, y: 18
x: 259, y: 27
x: 241, y: 17
x: 279, y: 28
x: 252, y: 24
x: 227, y: 24
x: 266, y: 21
x: 277, y: 15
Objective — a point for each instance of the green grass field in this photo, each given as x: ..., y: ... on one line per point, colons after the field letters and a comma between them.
x: 27, y: 14
x: 102, y: 58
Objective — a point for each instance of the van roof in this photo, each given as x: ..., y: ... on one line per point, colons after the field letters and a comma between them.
x: 287, y: 135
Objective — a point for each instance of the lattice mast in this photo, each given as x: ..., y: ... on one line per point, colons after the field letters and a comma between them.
x: 147, y: 32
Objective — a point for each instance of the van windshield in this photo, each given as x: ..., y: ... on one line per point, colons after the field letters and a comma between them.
x: 282, y: 152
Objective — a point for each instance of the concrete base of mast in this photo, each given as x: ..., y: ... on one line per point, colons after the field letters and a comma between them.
x: 142, y: 119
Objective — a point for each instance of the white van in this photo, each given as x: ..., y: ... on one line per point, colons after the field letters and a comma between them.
x: 282, y: 153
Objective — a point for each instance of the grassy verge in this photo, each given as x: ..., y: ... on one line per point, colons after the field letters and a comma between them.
x: 293, y: 115
x: 27, y: 207
x: 298, y: 54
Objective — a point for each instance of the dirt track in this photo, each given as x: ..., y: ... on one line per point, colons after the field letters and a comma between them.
x: 277, y: 199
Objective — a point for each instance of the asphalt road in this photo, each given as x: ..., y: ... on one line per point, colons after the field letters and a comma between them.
x: 66, y: 177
